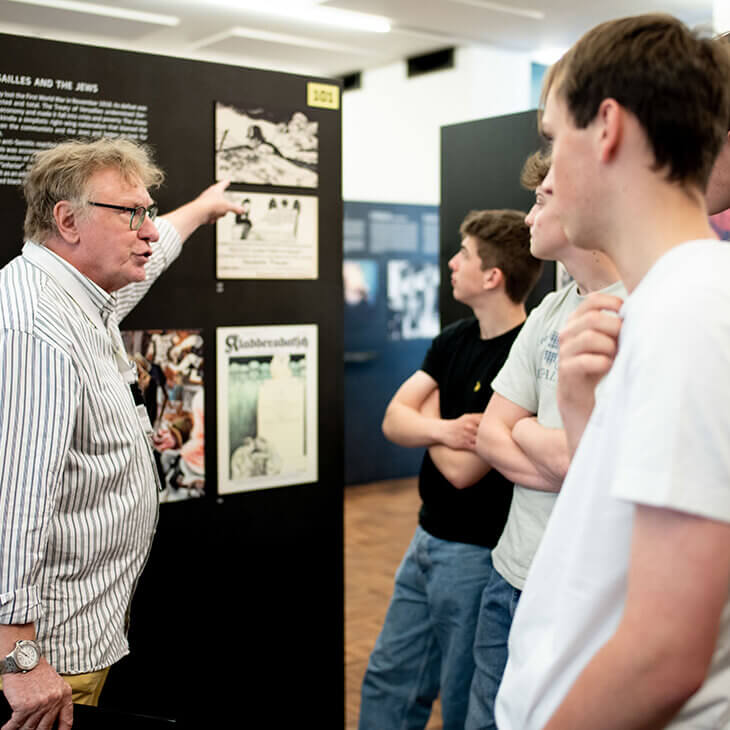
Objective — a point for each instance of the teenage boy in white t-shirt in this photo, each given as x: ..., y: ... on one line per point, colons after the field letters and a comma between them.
x: 521, y: 433
x: 625, y: 617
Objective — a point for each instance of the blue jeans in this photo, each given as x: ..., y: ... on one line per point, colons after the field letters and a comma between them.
x: 499, y: 603
x: 426, y: 646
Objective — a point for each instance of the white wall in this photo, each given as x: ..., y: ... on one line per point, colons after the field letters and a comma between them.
x: 391, y: 126
x: 721, y: 15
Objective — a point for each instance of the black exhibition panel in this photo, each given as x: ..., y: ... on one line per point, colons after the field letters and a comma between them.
x: 481, y: 162
x: 239, y: 613
x: 86, y: 717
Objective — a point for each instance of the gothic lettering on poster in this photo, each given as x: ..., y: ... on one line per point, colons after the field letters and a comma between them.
x: 265, y: 146
x: 267, y: 407
x: 170, y: 376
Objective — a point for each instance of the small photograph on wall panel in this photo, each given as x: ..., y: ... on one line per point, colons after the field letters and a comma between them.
x: 170, y: 376
x: 267, y: 407
x: 258, y: 146
x: 562, y: 277
x: 360, y: 280
x: 276, y: 237
x: 413, y: 294
x: 721, y: 223
x: 360, y: 277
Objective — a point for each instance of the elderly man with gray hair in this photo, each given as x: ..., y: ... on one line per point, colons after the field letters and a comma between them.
x: 78, y: 485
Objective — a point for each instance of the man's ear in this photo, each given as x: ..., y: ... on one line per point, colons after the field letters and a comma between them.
x: 492, y: 278
x: 66, y: 216
x: 610, y: 128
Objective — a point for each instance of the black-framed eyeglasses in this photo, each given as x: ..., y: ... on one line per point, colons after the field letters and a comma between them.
x: 137, y: 214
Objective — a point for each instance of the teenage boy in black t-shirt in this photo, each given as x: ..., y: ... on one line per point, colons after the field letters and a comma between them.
x: 425, y: 646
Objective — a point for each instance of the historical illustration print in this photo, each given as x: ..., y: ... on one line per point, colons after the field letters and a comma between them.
x: 275, y: 237
x: 267, y: 407
x: 170, y: 376
x: 266, y: 147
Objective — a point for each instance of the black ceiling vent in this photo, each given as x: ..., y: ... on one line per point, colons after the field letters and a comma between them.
x: 351, y: 81
x: 428, y: 62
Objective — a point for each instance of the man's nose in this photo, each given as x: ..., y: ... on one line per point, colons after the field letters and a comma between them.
x: 148, y: 231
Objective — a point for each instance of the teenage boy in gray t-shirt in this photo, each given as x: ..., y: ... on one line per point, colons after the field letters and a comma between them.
x: 521, y: 434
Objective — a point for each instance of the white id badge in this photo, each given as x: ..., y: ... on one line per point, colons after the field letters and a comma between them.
x: 144, y: 419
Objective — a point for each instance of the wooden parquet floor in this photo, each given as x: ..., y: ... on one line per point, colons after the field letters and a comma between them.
x: 380, y: 519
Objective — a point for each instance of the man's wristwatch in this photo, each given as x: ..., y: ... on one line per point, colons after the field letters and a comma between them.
x: 23, y: 658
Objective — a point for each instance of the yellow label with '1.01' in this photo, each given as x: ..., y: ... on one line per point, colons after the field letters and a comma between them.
x: 325, y: 96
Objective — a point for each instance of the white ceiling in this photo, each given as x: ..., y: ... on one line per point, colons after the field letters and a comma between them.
x: 241, y: 32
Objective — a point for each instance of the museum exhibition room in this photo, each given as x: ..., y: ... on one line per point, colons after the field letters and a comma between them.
x: 348, y: 140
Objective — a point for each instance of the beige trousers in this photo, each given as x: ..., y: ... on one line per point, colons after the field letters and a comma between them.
x: 85, y: 688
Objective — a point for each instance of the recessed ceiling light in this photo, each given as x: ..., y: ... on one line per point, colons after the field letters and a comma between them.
x: 108, y: 11
x: 500, y: 8
x: 309, y: 11
x: 289, y: 40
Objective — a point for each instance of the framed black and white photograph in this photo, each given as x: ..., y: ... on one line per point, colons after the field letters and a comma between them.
x: 259, y: 146
x: 275, y: 237
x: 267, y: 407
x: 413, y: 291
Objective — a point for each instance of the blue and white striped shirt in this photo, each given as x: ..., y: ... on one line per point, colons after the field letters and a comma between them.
x: 78, y: 496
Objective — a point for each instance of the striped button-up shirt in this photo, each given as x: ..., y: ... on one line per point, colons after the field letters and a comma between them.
x: 78, y: 494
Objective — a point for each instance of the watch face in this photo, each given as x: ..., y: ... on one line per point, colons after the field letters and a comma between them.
x: 26, y: 655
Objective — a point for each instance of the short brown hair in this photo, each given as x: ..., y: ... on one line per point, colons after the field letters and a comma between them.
x: 63, y: 172
x: 675, y: 83
x: 535, y: 169
x: 503, y: 240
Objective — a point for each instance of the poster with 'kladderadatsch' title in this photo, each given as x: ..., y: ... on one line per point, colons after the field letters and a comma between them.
x: 267, y: 407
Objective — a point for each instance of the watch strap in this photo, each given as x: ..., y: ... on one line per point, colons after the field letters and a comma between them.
x: 8, y: 665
